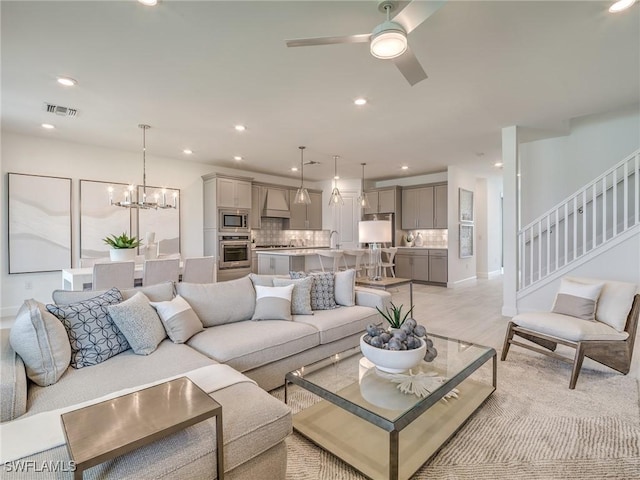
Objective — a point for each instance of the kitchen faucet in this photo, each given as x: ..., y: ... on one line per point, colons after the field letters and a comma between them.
x: 331, y: 235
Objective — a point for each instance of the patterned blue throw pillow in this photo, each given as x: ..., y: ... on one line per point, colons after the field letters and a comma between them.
x: 322, y: 289
x: 93, y: 335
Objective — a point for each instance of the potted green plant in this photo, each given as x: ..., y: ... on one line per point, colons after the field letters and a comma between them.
x: 123, y: 247
x: 394, y: 316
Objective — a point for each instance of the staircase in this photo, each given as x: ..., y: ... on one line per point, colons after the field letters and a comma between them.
x: 598, y: 216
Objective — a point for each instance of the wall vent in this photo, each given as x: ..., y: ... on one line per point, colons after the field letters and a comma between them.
x: 60, y: 110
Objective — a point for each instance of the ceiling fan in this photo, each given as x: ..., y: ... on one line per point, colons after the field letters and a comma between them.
x: 388, y: 40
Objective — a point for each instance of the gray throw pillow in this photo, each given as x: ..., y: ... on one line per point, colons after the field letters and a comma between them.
x: 178, y: 318
x: 345, y: 288
x: 42, y: 342
x: 273, y: 303
x: 139, y: 322
x: 263, y: 280
x: 92, y: 334
x: 577, y: 299
x: 322, y: 289
x: 301, y: 296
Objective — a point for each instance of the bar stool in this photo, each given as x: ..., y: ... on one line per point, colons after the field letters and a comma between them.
x: 336, y: 257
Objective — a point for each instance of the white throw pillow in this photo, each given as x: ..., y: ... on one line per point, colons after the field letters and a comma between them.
x: 178, y: 318
x: 577, y: 299
x: 273, y: 303
x: 345, y: 288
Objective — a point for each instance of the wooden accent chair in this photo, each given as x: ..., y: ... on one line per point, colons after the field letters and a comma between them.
x: 607, y: 339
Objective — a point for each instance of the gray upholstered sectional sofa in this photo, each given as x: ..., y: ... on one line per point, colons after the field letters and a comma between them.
x: 255, y: 423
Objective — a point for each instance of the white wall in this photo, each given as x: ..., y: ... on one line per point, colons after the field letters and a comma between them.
x: 415, y: 180
x: 554, y: 168
x: 42, y: 156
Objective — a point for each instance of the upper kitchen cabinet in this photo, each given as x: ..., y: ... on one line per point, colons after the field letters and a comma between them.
x: 233, y: 193
x: 257, y: 200
x: 306, y: 217
x: 383, y: 200
x: 424, y: 207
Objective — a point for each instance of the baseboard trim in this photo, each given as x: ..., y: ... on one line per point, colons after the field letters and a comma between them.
x: 487, y: 275
x: 509, y: 311
x: 9, y: 311
x: 460, y: 282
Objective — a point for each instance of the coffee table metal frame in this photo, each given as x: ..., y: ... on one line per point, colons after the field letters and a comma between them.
x: 396, y: 426
x: 91, y: 440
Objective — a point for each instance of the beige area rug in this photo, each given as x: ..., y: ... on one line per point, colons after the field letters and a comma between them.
x: 532, y: 427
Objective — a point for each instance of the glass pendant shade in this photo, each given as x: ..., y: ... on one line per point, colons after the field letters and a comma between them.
x: 363, y: 201
x: 302, y: 195
x: 336, y: 196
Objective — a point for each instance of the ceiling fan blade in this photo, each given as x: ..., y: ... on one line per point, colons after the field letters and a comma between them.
x: 311, y: 42
x: 410, y: 67
x: 417, y: 12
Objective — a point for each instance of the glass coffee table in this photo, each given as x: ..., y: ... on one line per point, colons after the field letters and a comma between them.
x: 359, y: 415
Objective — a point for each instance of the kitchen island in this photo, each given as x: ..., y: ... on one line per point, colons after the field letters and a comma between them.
x: 281, y: 262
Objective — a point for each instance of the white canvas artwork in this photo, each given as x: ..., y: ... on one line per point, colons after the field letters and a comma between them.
x: 39, y: 223
x: 165, y: 223
x: 99, y: 219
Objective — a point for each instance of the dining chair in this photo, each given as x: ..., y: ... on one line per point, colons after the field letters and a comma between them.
x: 198, y: 270
x: 90, y: 262
x: 113, y: 274
x: 335, y: 256
x: 388, y: 255
x: 357, y: 256
x: 161, y: 270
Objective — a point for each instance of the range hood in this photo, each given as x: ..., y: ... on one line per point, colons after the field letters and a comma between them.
x: 276, y: 203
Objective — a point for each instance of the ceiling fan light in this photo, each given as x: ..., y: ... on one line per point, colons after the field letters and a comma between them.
x: 388, y: 40
x: 621, y: 5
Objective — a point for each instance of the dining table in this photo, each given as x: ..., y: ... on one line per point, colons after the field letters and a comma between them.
x: 81, y: 278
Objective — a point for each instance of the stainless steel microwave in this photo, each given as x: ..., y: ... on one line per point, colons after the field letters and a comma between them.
x: 234, y: 221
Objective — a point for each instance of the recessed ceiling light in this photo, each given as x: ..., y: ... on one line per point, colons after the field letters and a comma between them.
x: 360, y: 101
x: 240, y: 128
x: 149, y: 3
x: 237, y: 157
x: 187, y: 151
x: 48, y: 126
x: 67, y: 81
x: 294, y: 169
x: 621, y: 5
x: 497, y: 164
x: 404, y: 167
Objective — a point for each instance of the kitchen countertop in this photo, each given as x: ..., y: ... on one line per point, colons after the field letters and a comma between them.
x: 293, y: 252
x: 271, y: 249
x: 422, y: 248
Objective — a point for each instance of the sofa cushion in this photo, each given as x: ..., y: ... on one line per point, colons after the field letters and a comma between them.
x: 160, y: 292
x: 139, y: 323
x: 322, y: 289
x: 577, y: 299
x: 340, y: 322
x: 273, y: 303
x: 248, y: 345
x: 92, y: 334
x: 263, y: 280
x: 42, y: 342
x: 220, y: 303
x: 345, y: 287
x: 614, y: 302
x: 178, y: 318
x: 567, y: 327
x: 301, y: 296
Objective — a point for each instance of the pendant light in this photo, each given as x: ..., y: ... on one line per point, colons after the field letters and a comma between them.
x: 363, y: 201
x: 131, y: 199
x: 302, y: 195
x: 336, y: 197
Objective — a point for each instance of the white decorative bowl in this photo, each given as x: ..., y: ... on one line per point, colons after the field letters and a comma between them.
x: 393, y: 361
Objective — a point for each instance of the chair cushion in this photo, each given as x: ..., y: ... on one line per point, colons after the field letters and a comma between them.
x: 614, y: 302
x: 301, y: 297
x: 247, y: 345
x: 93, y: 335
x: 220, y: 303
x: 178, y: 318
x: 139, y: 323
x: 273, y: 303
x: 42, y: 342
x: 339, y: 323
x: 577, y: 299
x: 567, y: 327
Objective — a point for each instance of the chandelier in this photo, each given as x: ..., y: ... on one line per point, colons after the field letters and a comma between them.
x: 336, y: 196
x: 302, y: 194
x: 363, y: 201
x: 131, y: 195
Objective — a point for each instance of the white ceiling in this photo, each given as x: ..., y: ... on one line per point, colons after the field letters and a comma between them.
x: 192, y: 70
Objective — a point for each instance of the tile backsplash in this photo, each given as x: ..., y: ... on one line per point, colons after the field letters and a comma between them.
x: 272, y: 233
x: 437, y: 238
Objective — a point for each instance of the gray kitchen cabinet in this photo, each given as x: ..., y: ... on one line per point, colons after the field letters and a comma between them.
x: 424, y: 207
x: 403, y: 265
x: 382, y: 201
x: 413, y: 264
x: 305, y: 217
x: 254, y: 262
x: 438, y: 266
x: 257, y: 201
x: 279, y: 264
x: 233, y: 193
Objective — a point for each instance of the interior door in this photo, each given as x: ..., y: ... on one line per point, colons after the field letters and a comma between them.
x: 347, y: 219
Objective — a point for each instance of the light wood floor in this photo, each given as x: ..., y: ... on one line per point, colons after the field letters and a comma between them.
x: 472, y: 312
